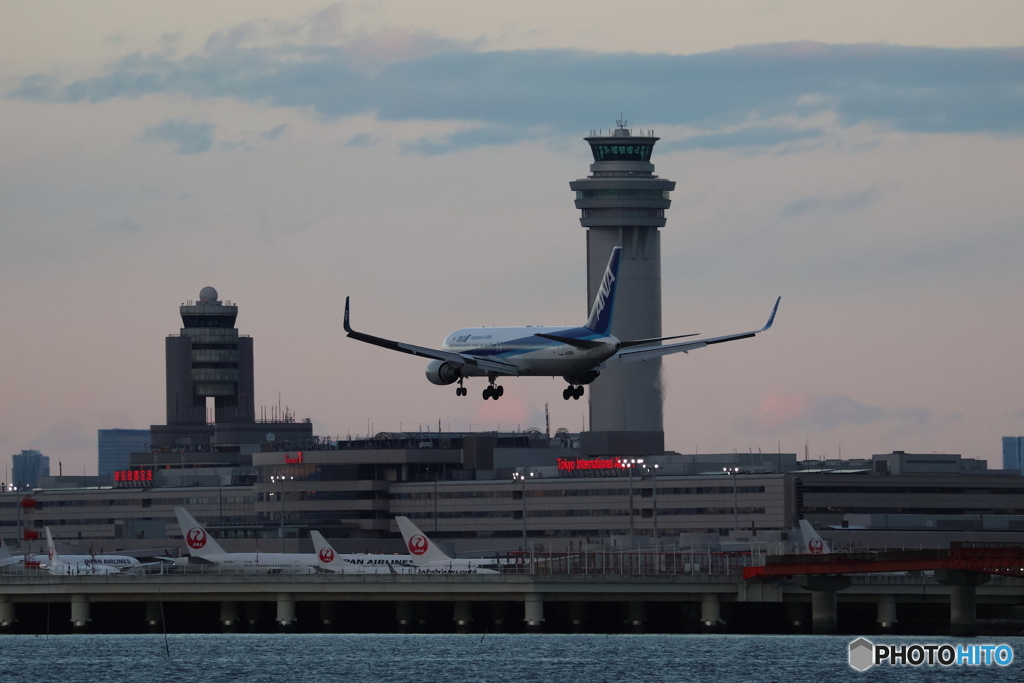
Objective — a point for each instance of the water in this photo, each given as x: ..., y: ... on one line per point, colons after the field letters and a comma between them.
x: 457, y: 658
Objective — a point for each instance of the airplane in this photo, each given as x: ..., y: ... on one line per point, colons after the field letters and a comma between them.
x: 357, y: 563
x: 813, y: 543
x: 429, y: 559
x: 57, y: 565
x: 204, y: 550
x: 82, y: 564
x: 576, y: 354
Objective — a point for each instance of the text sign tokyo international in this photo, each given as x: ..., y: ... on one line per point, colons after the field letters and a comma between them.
x: 581, y: 464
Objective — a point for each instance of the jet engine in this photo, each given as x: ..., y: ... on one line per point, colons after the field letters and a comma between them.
x: 582, y: 378
x: 442, y: 372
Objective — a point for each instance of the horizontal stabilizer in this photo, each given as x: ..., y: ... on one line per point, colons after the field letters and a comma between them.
x: 578, y: 343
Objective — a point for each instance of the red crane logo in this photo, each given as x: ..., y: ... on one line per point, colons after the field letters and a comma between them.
x: 418, y: 544
x: 196, y: 538
x: 815, y: 546
x: 326, y: 555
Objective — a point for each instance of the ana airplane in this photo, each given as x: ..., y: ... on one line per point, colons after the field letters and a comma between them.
x: 357, y: 563
x: 813, y: 543
x: 429, y: 559
x: 203, y: 549
x: 576, y: 354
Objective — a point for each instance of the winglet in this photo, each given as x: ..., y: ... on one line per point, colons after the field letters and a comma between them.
x: 348, y: 328
x: 771, y: 318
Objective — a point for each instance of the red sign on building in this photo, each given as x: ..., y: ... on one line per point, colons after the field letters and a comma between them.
x: 579, y: 464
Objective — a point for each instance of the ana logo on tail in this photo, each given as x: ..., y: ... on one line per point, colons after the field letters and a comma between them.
x: 326, y: 555
x: 418, y: 544
x: 196, y: 538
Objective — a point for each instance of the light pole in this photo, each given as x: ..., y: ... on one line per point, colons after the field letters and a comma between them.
x: 632, y: 462
x: 522, y: 477
x: 735, y: 497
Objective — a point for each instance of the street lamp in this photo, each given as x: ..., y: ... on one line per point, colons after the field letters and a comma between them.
x: 735, y: 498
x: 522, y: 477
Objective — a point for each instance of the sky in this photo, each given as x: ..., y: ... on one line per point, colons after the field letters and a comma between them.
x: 861, y: 159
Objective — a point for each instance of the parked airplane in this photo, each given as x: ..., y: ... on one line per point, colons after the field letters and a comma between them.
x: 57, y: 565
x: 813, y: 543
x: 203, y: 549
x: 430, y: 559
x: 357, y: 563
x: 78, y: 564
x: 577, y: 354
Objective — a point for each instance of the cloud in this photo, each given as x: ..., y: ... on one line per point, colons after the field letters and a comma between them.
x: 845, y: 203
x: 362, y: 140
x: 274, y: 133
x: 66, y: 434
x: 513, y: 95
x: 191, y: 138
x: 783, y: 413
x: 756, y: 136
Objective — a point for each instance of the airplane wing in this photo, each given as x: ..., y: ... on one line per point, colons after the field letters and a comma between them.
x: 631, y: 355
x: 459, y: 359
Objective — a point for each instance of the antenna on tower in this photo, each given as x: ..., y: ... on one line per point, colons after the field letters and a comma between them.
x: 547, y: 421
x: 622, y: 121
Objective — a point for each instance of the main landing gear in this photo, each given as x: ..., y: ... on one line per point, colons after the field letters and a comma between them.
x: 572, y: 392
x: 460, y: 390
x: 492, y: 391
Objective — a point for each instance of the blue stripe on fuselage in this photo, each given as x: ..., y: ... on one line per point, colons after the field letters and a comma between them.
x: 535, y: 343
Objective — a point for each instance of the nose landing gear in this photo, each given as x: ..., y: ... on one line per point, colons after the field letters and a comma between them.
x: 573, y: 392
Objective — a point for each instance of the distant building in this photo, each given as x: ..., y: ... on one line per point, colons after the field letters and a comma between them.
x: 114, y: 447
x: 1013, y: 453
x: 27, y: 467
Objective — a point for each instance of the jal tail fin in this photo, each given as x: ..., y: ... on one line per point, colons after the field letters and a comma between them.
x: 199, y: 541
x: 813, y: 543
x: 51, y: 551
x: 600, y: 320
x: 421, y: 548
x: 5, y: 553
x: 326, y: 556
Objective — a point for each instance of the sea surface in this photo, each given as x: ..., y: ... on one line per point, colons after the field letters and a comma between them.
x: 456, y: 658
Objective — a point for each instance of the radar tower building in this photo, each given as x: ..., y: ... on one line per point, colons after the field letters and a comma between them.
x: 623, y: 203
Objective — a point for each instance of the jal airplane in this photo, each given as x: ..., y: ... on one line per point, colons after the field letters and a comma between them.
x: 204, y: 550
x: 576, y: 354
x: 429, y: 559
x: 80, y: 564
x: 357, y: 563
x: 58, y: 565
x: 813, y: 543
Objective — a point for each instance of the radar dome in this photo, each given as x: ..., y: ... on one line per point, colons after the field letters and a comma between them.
x: 208, y: 294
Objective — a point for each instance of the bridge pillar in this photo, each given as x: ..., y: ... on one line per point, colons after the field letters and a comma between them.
x: 636, y: 615
x: 463, y: 615
x: 711, y: 612
x: 824, y: 604
x: 7, y: 614
x: 153, y: 620
x: 962, y: 599
x: 577, y: 615
x: 328, y: 614
x: 887, y: 613
x: 285, y: 612
x: 228, y: 616
x: 255, y: 613
x: 404, y: 615
x: 533, y: 613
x: 499, y: 616
x: 796, y: 615
x: 80, y: 613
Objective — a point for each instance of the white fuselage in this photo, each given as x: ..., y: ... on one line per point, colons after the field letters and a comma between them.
x: 256, y: 563
x: 530, y: 354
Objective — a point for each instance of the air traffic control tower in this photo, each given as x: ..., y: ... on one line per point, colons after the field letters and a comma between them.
x: 623, y: 204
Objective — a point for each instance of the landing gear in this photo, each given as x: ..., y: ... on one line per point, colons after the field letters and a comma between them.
x: 492, y: 391
x: 460, y: 390
x: 572, y: 392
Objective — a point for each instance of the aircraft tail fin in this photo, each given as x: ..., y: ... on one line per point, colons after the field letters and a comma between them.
x: 5, y: 552
x: 51, y: 551
x: 199, y: 541
x: 326, y: 556
x: 813, y: 543
x: 421, y: 548
x: 600, y: 320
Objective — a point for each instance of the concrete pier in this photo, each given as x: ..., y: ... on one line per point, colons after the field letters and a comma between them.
x: 887, y: 613
x: 463, y: 615
x: 285, y: 612
x: 711, y: 612
x: 80, y: 613
x: 153, y: 621
x: 328, y: 614
x: 636, y: 616
x: 404, y: 615
x: 533, y: 612
x: 228, y: 616
x: 7, y: 614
